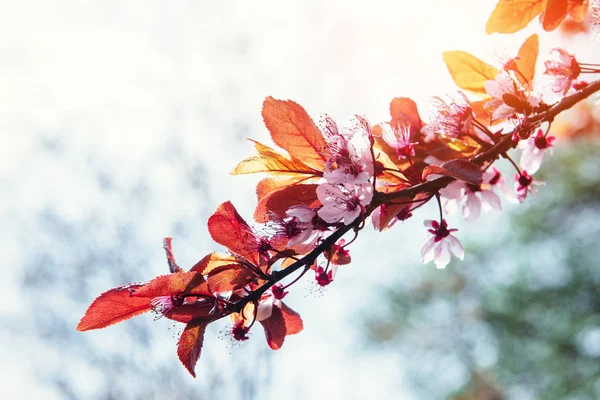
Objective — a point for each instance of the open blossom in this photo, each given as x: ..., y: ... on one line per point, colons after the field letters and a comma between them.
x: 350, y: 151
x: 534, y: 149
x: 506, y: 84
x: 441, y: 245
x: 303, y: 228
x: 472, y: 198
x: 453, y: 116
x: 343, y: 202
x: 524, y: 184
x: 399, y: 139
x: 563, y: 68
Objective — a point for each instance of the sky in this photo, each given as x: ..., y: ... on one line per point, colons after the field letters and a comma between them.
x: 127, y: 116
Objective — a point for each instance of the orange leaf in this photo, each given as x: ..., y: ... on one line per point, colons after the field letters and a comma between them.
x: 269, y: 185
x: 229, y: 278
x: 173, y: 284
x: 287, y: 262
x: 555, y: 12
x: 527, y: 58
x: 213, y: 260
x: 268, y: 160
x: 190, y: 344
x: 481, y: 112
x: 281, y: 200
x: 292, y: 129
x: 459, y: 169
x: 229, y: 229
x: 468, y: 71
x: 337, y: 255
x: 293, y: 321
x: 511, y: 16
x: 275, y: 330
x: 112, y: 306
x: 404, y: 111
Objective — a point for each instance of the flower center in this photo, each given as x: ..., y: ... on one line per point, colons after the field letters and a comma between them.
x: 541, y: 142
x: 474, y: 188
x: 441, y: 233
x: 239, y: 332
x: 525, y: 180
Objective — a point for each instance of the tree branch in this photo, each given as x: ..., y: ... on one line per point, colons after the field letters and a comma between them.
x: 502, y: 146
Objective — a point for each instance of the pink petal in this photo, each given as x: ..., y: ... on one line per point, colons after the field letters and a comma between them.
x: 471, y: 207
x: 456, y: 247
x: 427, y: 250
x: 330, y: 212
x: 442, y: 254
x: 491, y: 199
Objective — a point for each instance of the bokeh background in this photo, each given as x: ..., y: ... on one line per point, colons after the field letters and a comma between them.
x: 120, y: 122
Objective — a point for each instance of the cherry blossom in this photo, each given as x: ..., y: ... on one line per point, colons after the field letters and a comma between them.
x: 343, y: 202
x: 399, y: 139
x: 350, y: 151
x: 453, y: 116
x: 524, y: 184
x: 472, y: 198
x: 507, y: 84
x: 441, y: 245
x: 310, y: 228
x: 563, y: 69
x: 534, y: 149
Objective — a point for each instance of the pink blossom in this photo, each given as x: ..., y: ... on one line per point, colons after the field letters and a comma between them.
x: 472, y: 198
x: 162, y: 305
x: 524, y: 184
x: 399, y: 139
x: 563, y: 69
x: 534, y: 149
x: 324, y: 277
x: 441, y: 245
x: 453, y: 116
x: 350, y: 150
x: 309, y: 228
x: 504, y: 84
x: 343, y: 202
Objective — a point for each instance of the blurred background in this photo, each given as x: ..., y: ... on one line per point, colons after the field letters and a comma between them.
x: 120, y: 122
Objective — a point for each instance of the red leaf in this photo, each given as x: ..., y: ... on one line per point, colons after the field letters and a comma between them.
x: 188, y: 312
x: 389, y: 211
x: 555, y: 12
x: 293, y: 321
x: 404, y: 111
x: 292, y: 129
x: 190, y: 344
x: 459, y: 169
x: 173, y: 267
x: 173, y: 284
x: 281, y: 200
x: 275, y: 329
x: 112, y: 306
x: 229, y: 278
x: 229, y: 229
